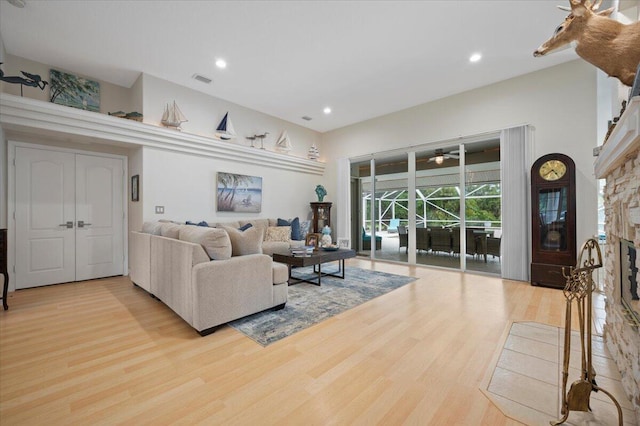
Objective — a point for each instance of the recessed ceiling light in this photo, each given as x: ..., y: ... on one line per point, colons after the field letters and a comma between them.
x: 327, y: 110
x: 221, y: 63
x: 475, y: 57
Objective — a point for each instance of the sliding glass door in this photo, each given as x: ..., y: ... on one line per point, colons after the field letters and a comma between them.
x: 438, y: 207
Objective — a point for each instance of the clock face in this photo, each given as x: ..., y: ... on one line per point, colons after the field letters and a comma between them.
x: 552, y: 170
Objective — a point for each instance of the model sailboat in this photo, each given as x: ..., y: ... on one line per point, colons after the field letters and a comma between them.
x: 225, y: 130
x: 283, y: 144
x: 172, y: 116
x: 314, y: 153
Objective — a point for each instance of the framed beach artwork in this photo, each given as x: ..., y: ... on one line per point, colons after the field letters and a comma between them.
x: 239, y: 193
x: 77, y: 92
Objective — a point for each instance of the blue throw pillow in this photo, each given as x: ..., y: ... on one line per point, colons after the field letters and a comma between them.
x: 295, y: 227
x: 245, y: 227
x: 295, y: 230
x: 203, y: 223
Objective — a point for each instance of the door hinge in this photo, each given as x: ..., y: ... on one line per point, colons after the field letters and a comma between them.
x: 14, y: 161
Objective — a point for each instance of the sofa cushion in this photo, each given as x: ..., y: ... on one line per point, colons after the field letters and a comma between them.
x: 261, y: 224
x: 152, y: 228
x: 233, y: 224
x: 295, y: 227
x: 278, y: 233
x: 245, y: 242
x: 215, y: 241
x: 270, y: 247
x: 170, y: 230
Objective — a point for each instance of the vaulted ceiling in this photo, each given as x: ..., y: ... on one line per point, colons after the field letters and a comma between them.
x: 292, y: 58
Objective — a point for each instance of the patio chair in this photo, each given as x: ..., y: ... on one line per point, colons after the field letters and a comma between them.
x: 403, y: 236
x: 493, y: 246
x: 423, y: 239
x: 393, y: 226
x: 441, y: 240
x: 366, y: 241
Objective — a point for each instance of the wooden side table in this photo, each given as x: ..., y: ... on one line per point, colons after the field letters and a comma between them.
x: 3, y: 266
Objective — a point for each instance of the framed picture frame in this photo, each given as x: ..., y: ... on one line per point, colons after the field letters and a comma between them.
x: 239, y: 193
x: 313, y: 240
x: 135, y: 188
x: 344, y: 243
x: 73, y: 91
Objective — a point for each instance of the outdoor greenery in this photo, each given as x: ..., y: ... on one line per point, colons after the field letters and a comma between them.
x: 442, y: 205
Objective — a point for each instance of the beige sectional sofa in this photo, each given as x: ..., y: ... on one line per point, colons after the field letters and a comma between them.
x: 210, y: 275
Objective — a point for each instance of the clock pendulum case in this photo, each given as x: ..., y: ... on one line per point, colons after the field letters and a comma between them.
x: 553, y: 219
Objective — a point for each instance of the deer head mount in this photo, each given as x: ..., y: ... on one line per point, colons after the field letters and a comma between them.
x: 604, y: 42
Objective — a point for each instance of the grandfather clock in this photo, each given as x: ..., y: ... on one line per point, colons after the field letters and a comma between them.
x: 553, y: 219
x: 321, y: 216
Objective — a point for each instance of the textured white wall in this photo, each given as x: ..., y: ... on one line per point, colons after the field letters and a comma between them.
x: 112, y: 97
x: 204, y: 113
x: 559, y: 102
x: 186, y: 186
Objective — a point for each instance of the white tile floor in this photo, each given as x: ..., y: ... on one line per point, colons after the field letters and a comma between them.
x: 525, y: 382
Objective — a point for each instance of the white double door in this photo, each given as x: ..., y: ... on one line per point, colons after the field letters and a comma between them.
x: 69, y: 217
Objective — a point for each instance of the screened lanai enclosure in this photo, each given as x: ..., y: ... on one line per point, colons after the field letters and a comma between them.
x: 438, y: 207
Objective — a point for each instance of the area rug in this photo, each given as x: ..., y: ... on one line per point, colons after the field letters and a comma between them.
x: 524, y: 380
x: 309, y: 304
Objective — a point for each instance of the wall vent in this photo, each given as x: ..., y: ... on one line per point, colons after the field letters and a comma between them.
x: 306, y: 117
x: 202, y: 78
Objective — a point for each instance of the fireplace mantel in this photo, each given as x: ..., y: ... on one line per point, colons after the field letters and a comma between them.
x: 619, y: 164
x: 623, y: 141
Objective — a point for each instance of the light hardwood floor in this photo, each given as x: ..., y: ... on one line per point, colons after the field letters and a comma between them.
x: 104, y: 352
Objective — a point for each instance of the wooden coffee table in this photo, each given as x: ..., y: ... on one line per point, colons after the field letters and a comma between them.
x: 317, y: 258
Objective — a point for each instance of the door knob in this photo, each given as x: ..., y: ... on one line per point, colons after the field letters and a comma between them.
x: 82, y: 224
x: 69, y: 224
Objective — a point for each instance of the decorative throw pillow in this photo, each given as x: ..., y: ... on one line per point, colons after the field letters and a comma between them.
x: 304, y: 229
x: 295, y: 227
x: 245, y: 242
x: 152, y: 228
x: 215, y: 241
x: 170, y: 230
x: 278, y: 233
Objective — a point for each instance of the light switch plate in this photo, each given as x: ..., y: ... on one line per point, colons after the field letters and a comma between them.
x: 159, y: 209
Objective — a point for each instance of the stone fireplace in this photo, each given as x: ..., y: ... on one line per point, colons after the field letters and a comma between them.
x: 629, y: 280
x: 619, y: 164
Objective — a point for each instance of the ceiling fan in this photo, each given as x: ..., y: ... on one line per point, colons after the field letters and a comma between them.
x: 440, y: 156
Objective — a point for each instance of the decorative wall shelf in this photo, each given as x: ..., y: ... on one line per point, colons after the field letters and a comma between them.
x: 26, y: 115
x: 623, y: 141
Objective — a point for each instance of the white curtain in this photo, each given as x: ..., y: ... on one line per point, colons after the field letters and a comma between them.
x: 515, y: 162
x: 343, y: 201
